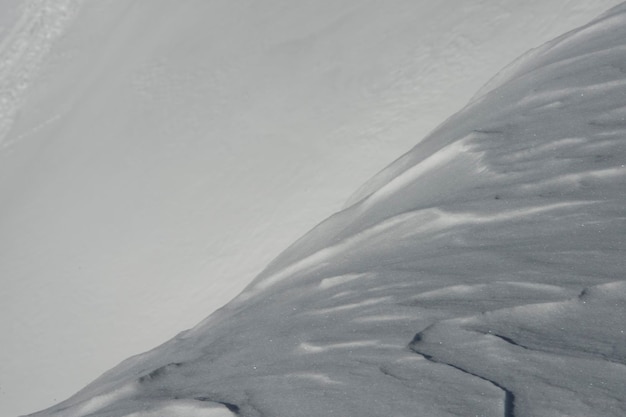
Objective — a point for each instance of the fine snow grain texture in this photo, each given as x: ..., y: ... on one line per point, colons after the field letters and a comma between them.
x: 24, y: 45
x: 480, y: 274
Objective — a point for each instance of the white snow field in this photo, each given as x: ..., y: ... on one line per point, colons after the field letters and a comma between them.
x: 157, y: 154
x: 481, y: 274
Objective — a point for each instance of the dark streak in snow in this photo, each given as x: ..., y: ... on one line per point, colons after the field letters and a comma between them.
x: 159, y: 372
x: 509, y: 340
x: 233, y: 408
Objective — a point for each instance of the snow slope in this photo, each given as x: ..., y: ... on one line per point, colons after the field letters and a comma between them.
x: 482, y: 273
x: 156, y: 155
x: 28, y: 30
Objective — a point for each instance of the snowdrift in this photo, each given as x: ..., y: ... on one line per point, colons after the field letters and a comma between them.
x: 480, y: 274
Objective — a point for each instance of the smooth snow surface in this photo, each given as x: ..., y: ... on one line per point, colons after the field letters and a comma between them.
x: 155, y: 155
x: 482, y: 274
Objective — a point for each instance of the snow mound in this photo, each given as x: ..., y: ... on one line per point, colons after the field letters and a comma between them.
x: 480, y: 274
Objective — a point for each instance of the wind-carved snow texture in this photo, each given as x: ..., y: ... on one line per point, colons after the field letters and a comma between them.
x: 23, y: 49
x: 481, y: 274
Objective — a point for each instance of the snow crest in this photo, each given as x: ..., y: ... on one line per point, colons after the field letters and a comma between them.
x: 481, y: 274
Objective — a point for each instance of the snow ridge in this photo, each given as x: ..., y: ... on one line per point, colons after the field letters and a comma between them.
x: 481, y: 274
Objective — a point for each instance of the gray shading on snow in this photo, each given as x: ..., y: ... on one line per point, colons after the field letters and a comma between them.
x: 480, y: 274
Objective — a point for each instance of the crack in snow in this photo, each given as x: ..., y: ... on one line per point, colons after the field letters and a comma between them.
x: 509, y: 396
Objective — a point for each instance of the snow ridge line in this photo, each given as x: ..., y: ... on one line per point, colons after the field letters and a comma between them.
x: 24, y: 50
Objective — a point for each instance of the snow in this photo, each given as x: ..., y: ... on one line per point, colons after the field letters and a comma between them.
x: 480, y: 274
x: 27, y: 32
x: 157, y: 156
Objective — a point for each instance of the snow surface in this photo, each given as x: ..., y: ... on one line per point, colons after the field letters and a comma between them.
x: 481, y: 274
